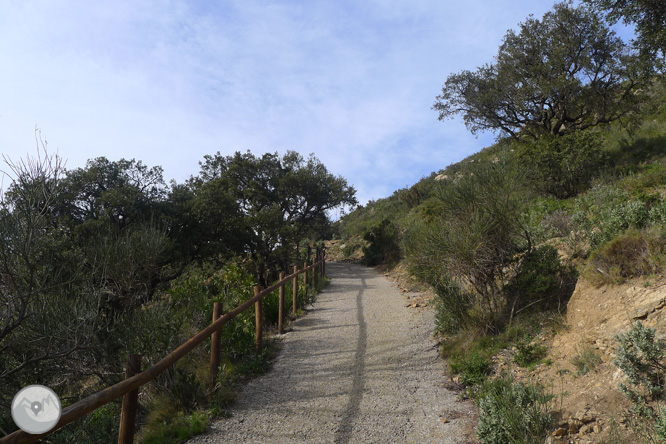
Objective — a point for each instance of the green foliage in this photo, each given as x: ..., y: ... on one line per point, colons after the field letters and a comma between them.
x: 541, y: 282
x: 586, y: 360
x: 541, y: 81
x: 364, y: 218
x: 631, y: 254
x: 529, y: 353
x: 383, y: 244
x: 281, y: 200
x: 606, y: 211
x: 563, y: 166
x: 475, y: 240
x: 473, y: 368
x: 649, y: 18
x: 641, y: 356
x: 453, y: 306
x: 171, y: 428
x: 513, y: 413
x: 547, y: 218
x: 98, y: 427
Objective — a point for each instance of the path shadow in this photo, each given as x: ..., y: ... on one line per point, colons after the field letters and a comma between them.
x: 344, y: 432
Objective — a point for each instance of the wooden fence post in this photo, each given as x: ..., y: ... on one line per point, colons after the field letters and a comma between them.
x: 215, y: 347
x: 314, y: 271
x: 258, y: 331
x: 295, y: 285
x: 130, y: 400
x: 281, y: 308
x: 305, y: 277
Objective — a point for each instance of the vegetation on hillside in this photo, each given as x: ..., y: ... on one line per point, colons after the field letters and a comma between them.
x: 106, y: 260
x: 575, y: 184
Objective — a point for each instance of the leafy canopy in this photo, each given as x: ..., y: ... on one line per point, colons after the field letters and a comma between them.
x: 565, y: 72
x: 273, y: 203
x: 649, y: 16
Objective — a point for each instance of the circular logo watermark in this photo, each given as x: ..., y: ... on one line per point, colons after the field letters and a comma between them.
x: 36, y: 409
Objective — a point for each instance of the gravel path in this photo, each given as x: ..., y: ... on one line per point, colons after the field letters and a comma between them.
x: 360, y: 367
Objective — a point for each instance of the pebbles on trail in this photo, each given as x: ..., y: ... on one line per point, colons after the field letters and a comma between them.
x: 358, y: 368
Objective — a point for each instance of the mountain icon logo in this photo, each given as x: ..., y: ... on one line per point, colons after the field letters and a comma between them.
x: 36, y: 409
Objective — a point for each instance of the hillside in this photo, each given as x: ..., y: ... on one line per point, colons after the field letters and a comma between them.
x: 578, y: 270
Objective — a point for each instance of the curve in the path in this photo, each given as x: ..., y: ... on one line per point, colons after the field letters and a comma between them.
x: 360, y: 367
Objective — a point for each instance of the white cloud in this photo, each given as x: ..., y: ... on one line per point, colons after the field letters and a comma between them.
x: 167, y: 82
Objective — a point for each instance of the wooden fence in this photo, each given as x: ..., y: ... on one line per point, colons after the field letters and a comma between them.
x: 129, y: 387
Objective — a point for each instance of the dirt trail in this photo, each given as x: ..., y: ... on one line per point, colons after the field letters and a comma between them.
x: 359, y: 368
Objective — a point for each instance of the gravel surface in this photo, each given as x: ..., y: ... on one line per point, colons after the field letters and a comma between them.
x: 360, y: 367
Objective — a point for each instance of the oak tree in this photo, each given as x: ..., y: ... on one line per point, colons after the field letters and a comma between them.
x: 567, y: 71
x: 649, y: 17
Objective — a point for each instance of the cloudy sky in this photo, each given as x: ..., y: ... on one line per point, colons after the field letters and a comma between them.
x: 167, y: 82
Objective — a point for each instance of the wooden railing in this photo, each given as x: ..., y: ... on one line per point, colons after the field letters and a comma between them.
x: 129, y: 387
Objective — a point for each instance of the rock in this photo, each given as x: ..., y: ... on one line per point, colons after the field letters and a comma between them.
x: 560, y: 432
x: 574, y: 427
x: 445, y: 421
x: 585, y: 416
x: 585, y: 430
x: 597, y: 428
x: 640, y: 314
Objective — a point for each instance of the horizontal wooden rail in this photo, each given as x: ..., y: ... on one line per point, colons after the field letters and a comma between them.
x: 103, y: 397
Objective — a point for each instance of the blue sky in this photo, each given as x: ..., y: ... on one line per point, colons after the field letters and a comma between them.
x: 167, y: 81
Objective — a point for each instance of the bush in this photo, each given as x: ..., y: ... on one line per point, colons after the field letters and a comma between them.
x: 98, y: 427
x: 657, y: 214
x: 563, y: 166
x: 475, y: 240
x: 513, y: 412
x: 586, y: 360
x: 452, y: 305
x: 529, y: 353
x: 642, y: 358
x: 631, y: 254
x: 542, y: 281
x: 383, y: 247
x: 473, y: 368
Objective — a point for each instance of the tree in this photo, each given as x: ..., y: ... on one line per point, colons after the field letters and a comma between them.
x: 272, y: 202
x: 46, y: 319
x: 120, y: 193
x: 565, y: 72
x: 649, y: 16
x: 469, y: 252
x: 562, y: 166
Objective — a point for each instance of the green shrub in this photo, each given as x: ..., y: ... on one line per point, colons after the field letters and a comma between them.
x: 98, y: 427
x: 452, y: 305
x: 473, y: 368
x: 657, y: 214
x: 631, y: 254
x: 642, y: 358
x: 563, y: 166
x: 586, y: 360
x: 541, y: 282
x: 529, y: 353
x: 348, y: 250
x: 513, y: 412
x: 383, y: 244
x: 475, y: 240
x: 175, y: 429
